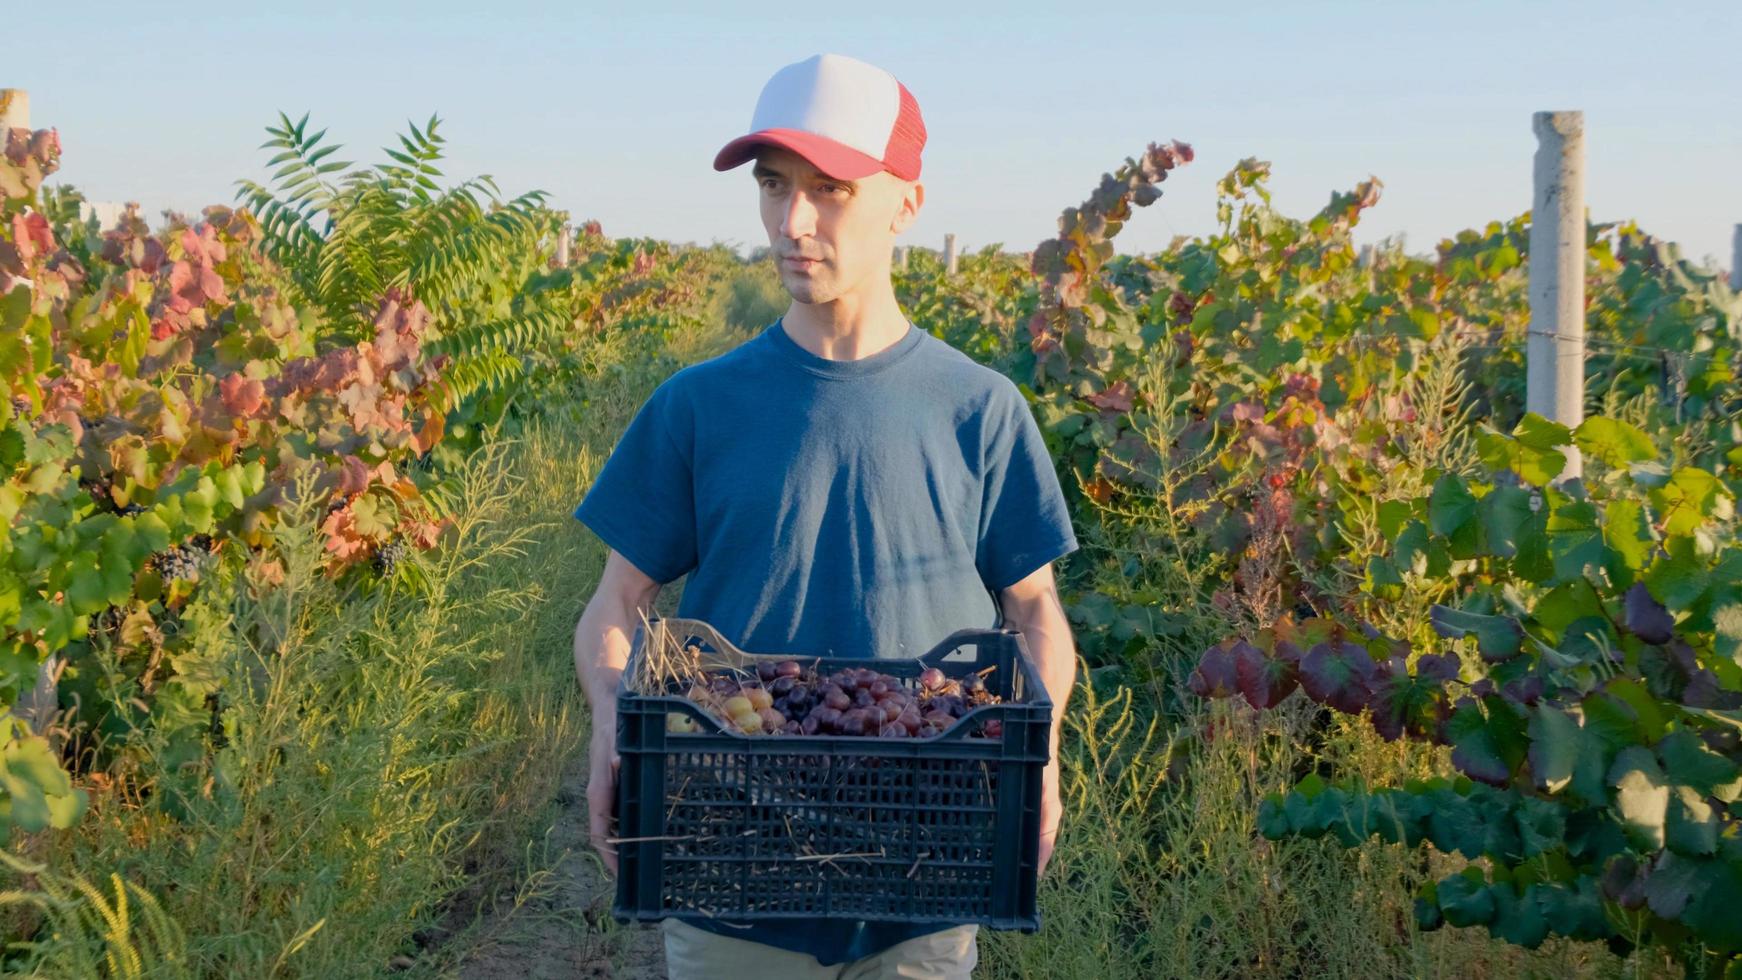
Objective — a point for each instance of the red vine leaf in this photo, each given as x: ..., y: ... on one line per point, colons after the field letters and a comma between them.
x: 1264, y: 680
x: 1338, y: 674
x: 1645, y: 617
x: 1116, y: 398
x: 32, y: 235
x: 1405, y: 704
x: 243, y: 397
x: 1216, y: 675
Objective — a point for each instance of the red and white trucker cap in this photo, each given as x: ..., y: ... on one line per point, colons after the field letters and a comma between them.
x: 848, y: 118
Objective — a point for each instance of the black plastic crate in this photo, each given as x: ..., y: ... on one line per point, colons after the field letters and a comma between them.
x: 718, y: 824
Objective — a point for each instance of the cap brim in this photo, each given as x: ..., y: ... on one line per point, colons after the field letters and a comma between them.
x: 833, y: 158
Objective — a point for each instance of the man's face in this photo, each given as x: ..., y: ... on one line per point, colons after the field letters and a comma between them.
x: 830, y: 237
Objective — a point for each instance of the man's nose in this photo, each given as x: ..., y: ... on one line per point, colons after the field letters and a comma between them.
x: 801, y: 217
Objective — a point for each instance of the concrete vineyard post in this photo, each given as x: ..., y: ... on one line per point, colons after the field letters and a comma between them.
x: 1736, y: 259
x: 1555, y: 351
x: 14, y: 108
x: 564, y: 241
x: 949, y: 255
x: 901, y: 258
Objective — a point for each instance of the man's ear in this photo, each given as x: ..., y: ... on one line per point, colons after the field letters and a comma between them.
x: 912, y: 199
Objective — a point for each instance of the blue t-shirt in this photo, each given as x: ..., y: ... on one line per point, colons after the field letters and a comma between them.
x: 846, y: 508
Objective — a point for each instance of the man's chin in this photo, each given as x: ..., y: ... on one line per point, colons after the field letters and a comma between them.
x: 806, y: 291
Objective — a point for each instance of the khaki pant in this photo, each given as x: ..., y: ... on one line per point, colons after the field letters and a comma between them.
x: 697, y: 954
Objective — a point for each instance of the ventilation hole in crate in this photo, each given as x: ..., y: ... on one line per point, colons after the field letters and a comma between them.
x: 854, y: 835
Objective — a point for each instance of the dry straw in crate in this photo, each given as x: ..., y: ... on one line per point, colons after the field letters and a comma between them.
x: 664, y: 662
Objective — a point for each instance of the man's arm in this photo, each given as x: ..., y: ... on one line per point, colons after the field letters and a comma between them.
x: 602, y: 640
x: 1032, y: 607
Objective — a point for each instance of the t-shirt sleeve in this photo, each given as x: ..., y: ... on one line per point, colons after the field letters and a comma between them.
x: 1024, y: 522
x: 642, y: 504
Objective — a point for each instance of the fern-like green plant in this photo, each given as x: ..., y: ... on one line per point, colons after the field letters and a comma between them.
x: 347, y: 235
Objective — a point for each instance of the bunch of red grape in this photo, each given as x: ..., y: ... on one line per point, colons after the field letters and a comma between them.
x: 785, y: 698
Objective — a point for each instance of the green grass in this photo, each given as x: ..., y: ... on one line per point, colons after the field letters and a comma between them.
x: 390, y: 741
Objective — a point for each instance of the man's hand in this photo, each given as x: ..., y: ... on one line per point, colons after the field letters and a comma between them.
x: 602, y: 766
x: 1032, y: 607
x: 1051, y: 812
x: 602, y: 640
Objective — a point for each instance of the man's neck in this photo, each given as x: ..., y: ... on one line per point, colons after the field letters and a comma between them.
x: 847, y: 329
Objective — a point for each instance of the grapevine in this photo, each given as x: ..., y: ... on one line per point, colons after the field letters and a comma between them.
x: 1588, y: 686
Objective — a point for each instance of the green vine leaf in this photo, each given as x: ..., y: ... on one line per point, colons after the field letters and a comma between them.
x: 1498, y: 638
x: 1450, y: 507
x: 1628, y: 532
x: 1690, y: 498
x: 1690, y: 823
x: 1727, y: 630
x: 1688, y: 761
x: 1679, y: 578
x: 1713, y: 912
x: 38, y: 794
x: 1671, y: 883
x: 1518, y: 919
x: 1465, y: 899
x: 1641, y: 796
x: 1613, y: 441
x: 1542, y: 826
x: 1488, y: 740
x: 1556, y: 748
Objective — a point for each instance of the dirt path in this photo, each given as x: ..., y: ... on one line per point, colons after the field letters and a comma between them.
x: 561, y: 925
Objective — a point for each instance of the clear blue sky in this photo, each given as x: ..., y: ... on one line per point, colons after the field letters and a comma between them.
x: 617, y: 112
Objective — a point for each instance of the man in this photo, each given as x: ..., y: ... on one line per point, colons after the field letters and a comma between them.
x: 843, y: 484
